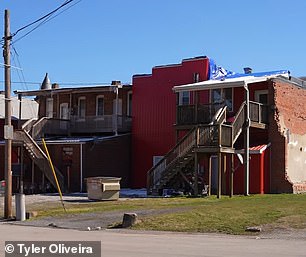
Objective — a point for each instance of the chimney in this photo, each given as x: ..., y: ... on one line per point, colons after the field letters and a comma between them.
x: 116, y: 82
x: 55, y: 86
x: 247, y: 70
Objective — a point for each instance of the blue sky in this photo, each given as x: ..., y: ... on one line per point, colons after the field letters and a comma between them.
x: 97, y: 41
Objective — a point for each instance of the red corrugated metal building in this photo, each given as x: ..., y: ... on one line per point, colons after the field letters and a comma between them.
x: 154, y: 112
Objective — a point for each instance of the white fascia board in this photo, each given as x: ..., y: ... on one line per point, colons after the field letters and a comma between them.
x: 216, y: 84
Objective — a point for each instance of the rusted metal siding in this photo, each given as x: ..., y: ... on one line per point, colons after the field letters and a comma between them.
x: 154, y: 112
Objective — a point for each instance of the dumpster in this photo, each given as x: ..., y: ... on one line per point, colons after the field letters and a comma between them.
x: 103, y: 188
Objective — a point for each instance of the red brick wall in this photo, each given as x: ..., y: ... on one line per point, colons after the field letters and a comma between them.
x: 64, y: 97
x: 288, y: 112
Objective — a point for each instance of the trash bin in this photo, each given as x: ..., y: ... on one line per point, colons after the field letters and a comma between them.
x: 103, y: 188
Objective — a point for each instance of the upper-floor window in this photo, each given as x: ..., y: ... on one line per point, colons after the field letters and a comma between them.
x: 196, y: 77
x: 100, y: 106
x: 81, y: 107
x: 49, y: 107
x: 64, y: 111
x: 184, y: 98
x: 261, y: 96
x: 222, y: 96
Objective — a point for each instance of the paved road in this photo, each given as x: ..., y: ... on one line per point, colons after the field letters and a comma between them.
x: 126, y: 243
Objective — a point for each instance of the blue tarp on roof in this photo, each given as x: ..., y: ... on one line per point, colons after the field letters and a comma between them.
x: 219, y: 73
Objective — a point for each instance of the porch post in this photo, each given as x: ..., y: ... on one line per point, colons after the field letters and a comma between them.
x: 209, y: 175
x: 247, y: 141
x: 219, y: 162
x: 196, y: 190
x: 224, y: 175
x: 219, y: 174
x: 196, y: 99
x: 232, y: 176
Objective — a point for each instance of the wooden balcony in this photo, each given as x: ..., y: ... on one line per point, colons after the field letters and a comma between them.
x: 76, y: 125
x: 194, y: 114
x: 188, y: 115
x: 100, y: 124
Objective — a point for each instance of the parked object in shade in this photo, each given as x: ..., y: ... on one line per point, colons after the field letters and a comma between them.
x: 103, y: 188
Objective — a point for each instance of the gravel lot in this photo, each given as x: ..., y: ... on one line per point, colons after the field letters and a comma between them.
x: 82, y: 221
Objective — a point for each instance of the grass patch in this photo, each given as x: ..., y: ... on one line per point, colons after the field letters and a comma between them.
x: 226, y: 215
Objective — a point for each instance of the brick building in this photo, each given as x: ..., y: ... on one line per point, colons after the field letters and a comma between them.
x: 249, y: 137
x: 87, y: 132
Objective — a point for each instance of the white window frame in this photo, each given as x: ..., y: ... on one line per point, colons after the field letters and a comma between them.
x: 97, y: 107
x: 61, y: 110
x: 79, y: 114
x: 49, y: 107
x: 258, y: 93
x: 181, y: 97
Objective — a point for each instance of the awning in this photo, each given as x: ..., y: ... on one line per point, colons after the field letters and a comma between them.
x: 259, y: 149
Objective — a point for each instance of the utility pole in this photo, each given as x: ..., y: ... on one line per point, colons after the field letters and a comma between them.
x: 8, y: 130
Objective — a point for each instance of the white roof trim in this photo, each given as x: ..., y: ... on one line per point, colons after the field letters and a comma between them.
x: 226, y: 83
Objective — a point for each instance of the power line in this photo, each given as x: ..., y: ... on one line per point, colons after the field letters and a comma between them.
x: 42, y: 18
x: 47, y: 19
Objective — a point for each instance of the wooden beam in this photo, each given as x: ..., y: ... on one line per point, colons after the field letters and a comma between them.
x: 196, y: 190
x: 224, y: 175
x: 219, y: 175
x: 209, y: 176
x: 232, y: 176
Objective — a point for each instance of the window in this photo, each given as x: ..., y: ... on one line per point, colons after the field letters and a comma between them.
x: 261, y: 96
x: 49, y: 107
x: 81, y: 107
x: 184, y: 98
x: 100, y: 106
x: 64, y: 111
x: 196, y: 77
x: 129, y: 103
x: 219, y: 97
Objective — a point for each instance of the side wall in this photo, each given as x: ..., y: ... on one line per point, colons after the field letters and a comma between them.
x: 109, y: 158
x: 154, y: 112
x: 288, y: 137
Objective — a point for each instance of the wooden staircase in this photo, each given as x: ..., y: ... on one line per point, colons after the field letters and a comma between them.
x: 212, y: 138
x: 39, y: 157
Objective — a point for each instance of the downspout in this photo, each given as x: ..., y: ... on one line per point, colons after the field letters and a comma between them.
x: 247, y: 141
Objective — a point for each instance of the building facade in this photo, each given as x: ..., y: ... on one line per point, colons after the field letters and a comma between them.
x: 87, y: 133
x: 154, y: 112
x: 248, y: 138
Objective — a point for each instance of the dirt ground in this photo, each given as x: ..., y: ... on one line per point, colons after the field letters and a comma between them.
x: 98, y: 221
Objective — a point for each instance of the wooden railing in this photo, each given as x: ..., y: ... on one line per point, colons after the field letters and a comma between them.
x: 50, y: 126
x: 195, y: 114
x: 88, y: 124
x: 258, y: 112
x: 156, y: 173
x: 203, y: 113
x: 96, y: 124
x: 238, y: 122
x: 215, y: 134
x: 207, y: 135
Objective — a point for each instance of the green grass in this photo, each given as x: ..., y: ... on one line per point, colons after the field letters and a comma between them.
x: 226, y: 215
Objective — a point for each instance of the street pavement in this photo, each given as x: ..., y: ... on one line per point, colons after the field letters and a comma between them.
x: 128, y: 243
